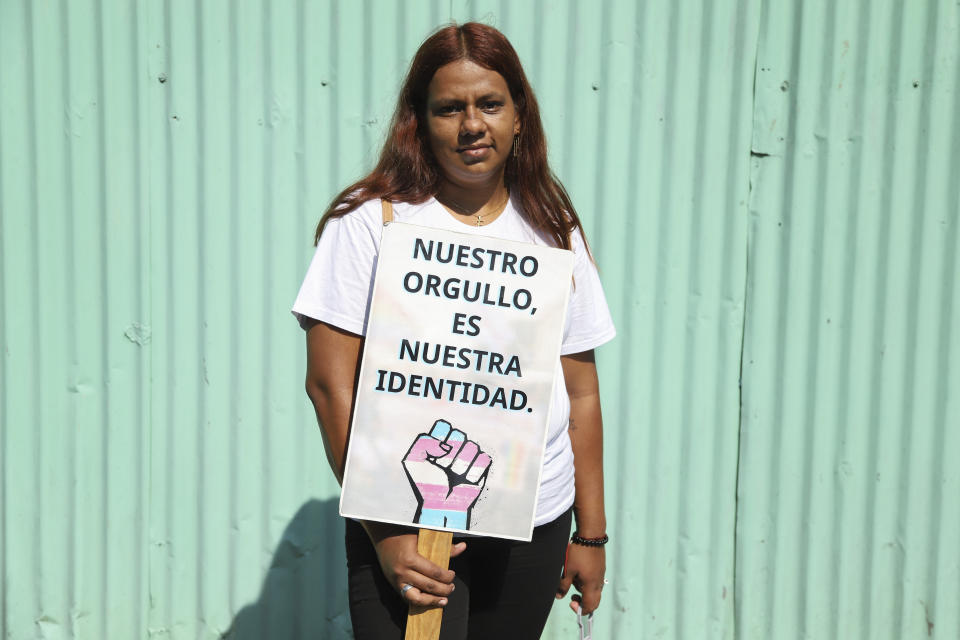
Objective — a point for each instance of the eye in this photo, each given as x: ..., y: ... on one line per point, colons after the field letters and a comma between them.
x: 446, y: 109
x: 491, y: 106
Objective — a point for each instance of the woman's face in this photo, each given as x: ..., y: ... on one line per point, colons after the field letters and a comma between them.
x: 471, y: 121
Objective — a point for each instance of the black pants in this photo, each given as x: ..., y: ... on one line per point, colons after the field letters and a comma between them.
x: 504, y: 588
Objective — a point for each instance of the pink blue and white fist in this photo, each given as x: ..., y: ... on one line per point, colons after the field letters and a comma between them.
x: 447, y: 472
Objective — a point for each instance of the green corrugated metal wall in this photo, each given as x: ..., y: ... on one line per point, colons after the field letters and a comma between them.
x: 772, y: 194
x: 849, y: 523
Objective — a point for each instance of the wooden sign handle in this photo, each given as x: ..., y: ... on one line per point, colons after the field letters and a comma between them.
x: 423, y: 623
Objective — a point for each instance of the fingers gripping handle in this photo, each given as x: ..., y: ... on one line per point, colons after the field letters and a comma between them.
x: 423, y: 623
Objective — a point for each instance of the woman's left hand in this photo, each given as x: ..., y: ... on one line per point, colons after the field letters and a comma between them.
x: 584, y: 569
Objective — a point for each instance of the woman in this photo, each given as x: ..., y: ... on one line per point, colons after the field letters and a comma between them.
x: 465, y: 152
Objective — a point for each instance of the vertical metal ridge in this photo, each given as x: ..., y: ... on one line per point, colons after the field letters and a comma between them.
x: 403, y: 29
x: 200, y: 246
x: 736, y: 178
x: 901, y: 387
x: 4, y: 402
x: 907, y: 446
x: 140, y: 306
x: 36, y: 376
x: 233, y: 234
x: 880, y: 295
x: 665, y: 235
x: 104, y: 313
x: 752, y: 522
x: 656, y: 458
x: 685, y: 544
x: 786, y: 543
x: 946, y: 337
x: 568, y: 133
x: 776, y: 470
x: 849, y: 543
x: 600, y: 199
x: 155, y: 96
x: 71, y: 267
x: 761, y: 432
x: 536, y: 39
x: 171, y: 395
x: 333, y: 51
x: 139, y: 47
x: 620, y: 513
x: 367, y: 90
x: 614, y: 507
x: 300, y: 415
x: 264, y: 357
x: 825, y: 112
x: 627, y: 408
x: 815, y: 318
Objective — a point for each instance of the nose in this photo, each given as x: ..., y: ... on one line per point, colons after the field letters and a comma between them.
x: 473, y: 123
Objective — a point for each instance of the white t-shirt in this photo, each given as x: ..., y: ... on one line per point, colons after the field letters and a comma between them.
x: 339, y: 283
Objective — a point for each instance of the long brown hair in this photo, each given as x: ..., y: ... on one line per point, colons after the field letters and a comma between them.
x: 407, y: 170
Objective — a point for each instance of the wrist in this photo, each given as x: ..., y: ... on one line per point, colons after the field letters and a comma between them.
x: 589, y: 512
x: 590, y: 532
x: 584, y: 541
x: 594, y: 526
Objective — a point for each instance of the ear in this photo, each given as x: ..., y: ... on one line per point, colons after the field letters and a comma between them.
x: 516, y: 123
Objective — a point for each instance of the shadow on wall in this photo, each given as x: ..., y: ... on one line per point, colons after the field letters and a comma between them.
x: 304, y: 594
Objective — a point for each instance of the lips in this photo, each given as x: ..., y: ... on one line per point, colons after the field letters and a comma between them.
x: 474, y: 150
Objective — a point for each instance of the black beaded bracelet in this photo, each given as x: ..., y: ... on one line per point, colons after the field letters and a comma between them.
x: 589, y: 542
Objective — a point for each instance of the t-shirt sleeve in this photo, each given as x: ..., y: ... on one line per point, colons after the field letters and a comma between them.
x: 339, y: 281
x: 588, y: 324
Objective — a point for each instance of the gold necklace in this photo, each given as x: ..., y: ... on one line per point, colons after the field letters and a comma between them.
x: 480, y: 221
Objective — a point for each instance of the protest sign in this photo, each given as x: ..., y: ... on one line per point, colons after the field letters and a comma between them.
x: 459, y: 365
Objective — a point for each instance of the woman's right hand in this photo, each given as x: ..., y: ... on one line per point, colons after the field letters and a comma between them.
x: 401, y: 565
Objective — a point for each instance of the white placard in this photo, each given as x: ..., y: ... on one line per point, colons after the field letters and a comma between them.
x: 459, y: 364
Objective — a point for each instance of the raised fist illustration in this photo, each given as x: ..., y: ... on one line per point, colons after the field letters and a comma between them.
x: 447, y: 472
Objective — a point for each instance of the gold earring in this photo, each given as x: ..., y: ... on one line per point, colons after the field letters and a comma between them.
x: 516, y: 144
